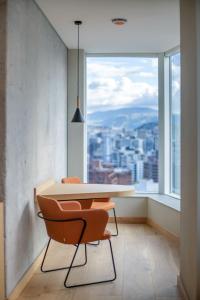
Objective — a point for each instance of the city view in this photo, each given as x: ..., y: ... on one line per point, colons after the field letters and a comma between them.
x: 123, y: 136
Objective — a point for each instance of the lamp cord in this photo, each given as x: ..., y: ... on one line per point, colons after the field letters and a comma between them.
x: 78, y: 71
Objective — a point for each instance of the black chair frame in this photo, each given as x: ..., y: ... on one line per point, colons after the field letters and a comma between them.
x: 71, y: 266
x: 117, y: 232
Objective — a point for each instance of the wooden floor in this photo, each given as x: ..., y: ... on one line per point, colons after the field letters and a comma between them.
x: 147, y: 267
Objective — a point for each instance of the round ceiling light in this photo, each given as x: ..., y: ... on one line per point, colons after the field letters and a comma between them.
x: 119, y: 21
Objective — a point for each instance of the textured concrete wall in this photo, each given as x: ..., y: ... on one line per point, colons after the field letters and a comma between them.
x: 2, y: 96
x: 167, y: 217
x: 36, y: 128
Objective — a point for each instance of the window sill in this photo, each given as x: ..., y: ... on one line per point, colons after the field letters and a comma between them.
x: 166, y: 200
x: 176, y: 196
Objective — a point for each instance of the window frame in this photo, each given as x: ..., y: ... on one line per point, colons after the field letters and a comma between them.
x: 164, y: 114
x: 160, y: 58
x: 168, y: 101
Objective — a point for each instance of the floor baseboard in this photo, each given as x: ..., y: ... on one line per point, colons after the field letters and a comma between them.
x: 163, y: 231
x: 26, y: 278
x: 2, y: 257
x: 144, y: 220
x: 129, y: 220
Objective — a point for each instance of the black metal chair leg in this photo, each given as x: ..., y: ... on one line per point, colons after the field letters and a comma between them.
x: 117, y: 232
x: 46, y: 250
x: 85, y: 255
x: 90, y: 283
x: 63, y: 268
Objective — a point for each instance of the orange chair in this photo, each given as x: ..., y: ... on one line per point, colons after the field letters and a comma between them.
x: 71, y: 180
x: 102, y: 203
x: 85, y: 203
x: 67, y: 223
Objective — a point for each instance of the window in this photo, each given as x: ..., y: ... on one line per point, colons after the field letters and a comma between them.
x: 122, y: 121
x: 175, y: 131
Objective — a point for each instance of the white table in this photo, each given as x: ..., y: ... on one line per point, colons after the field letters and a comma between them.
x: 60, y: 191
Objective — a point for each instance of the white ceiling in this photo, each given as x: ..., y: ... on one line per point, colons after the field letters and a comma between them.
x: 153, y: 25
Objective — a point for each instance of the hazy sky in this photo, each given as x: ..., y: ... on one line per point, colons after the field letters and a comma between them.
x: 175, y: 63
x: 114, y: 82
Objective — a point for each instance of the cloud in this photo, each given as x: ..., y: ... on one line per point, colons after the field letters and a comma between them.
x: 117, y: 85
x: 121, y: 92
x: 111, y: 70
x: 176, y: 70
x: 176, y: 86
x: 176, y: 78
x: 147, y: 74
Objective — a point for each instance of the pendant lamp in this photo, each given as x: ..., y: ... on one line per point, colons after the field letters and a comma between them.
x: 78, y: 118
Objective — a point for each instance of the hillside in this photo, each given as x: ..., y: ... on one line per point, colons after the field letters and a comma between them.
x: 129, y: 118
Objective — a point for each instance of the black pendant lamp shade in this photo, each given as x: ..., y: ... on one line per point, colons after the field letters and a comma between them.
x: 78, y: 118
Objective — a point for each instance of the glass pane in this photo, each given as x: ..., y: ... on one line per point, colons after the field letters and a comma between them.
x: 122, y: 121
x: 175, y: 123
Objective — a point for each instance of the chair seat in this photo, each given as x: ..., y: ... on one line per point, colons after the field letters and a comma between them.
x: 107, y: 234
x: 103, y: 205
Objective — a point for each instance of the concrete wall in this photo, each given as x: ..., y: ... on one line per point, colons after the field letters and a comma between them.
x: 131, y: 207
x: 36, y: 128
x: 2, y: 95
x: 190, y: 150
x: 167, y: 217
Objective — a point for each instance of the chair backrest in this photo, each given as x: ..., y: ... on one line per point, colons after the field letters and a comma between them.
x: 71, y: 180
x: 63, y: 232
x: 101, y: 200
x: 85, y: 204
x: 69, y: 232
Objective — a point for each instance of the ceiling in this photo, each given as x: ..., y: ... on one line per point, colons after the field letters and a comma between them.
x: 153, y: 25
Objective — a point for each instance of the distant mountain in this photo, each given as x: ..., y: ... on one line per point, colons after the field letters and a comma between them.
x: 147, y: 126
x: 128, y: 117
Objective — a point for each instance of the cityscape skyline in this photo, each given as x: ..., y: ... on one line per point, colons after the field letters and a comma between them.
x: 122, y: 122
x: 122, y: 118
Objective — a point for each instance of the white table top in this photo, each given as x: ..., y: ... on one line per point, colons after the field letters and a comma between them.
x: 61, y: 191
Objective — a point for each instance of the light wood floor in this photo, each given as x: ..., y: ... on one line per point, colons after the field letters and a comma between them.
x: 147, y: 267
